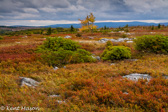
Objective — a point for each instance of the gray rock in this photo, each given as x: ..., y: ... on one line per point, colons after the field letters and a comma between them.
x: 28, y: 81
x: 98, y: 58
x: 24, y: 36
x: 166, y: 77
x: 53, y: 96
x: 104, y: 40
x: 56, y: 68
x: 126, y: 93
x: 112, y: 64
x: 136, y: 76
x: 91, y: 37
x: 60, y: 102
x: 93, y: 57
x: 130, y: 41
x: 121, y: 31
x: 131, y: 59
x: 67, y: 36
x: 128, y: 33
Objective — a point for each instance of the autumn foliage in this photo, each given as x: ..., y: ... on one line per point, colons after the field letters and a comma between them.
x: 88, y: 23
x: 82, y: 84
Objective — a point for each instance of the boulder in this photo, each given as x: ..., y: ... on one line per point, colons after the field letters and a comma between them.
x: 91, y: 37
x: 112, y: 64
x: 104, y: 40
x: 136, y: 76
x: 56, y: 68
x: 67, y: 36
x: 53, y: 96
x: 60, y: 102
x: 166, y: 77
x: 98, y: 58
x: 28, y: 82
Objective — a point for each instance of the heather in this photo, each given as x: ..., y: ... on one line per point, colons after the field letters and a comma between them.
x: 71, y: 78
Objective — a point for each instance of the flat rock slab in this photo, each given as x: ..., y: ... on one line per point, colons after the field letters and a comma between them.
x: 137, y: 76
x: 53, y: 96
x: 28, y: 82
x: 67, y: 36
x: 104, y: 40
x: 60, y: 102
x: 166, y: 77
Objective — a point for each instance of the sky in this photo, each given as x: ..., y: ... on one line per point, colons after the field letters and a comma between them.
x: 49, y: 12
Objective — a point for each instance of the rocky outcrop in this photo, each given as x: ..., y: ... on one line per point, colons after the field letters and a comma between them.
x: 28, y: 82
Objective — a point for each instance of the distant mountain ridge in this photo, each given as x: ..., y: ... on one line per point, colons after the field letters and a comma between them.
x: 108, y: 24
x: 100, y: 25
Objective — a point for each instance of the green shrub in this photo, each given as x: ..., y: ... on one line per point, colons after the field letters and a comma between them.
x: 109, y: 43
x: 82, y: 55
x: 116, y: 53
x: 59, y: 51
x: 150, y: 43
x: 55, y: 43
x: 1, y: 38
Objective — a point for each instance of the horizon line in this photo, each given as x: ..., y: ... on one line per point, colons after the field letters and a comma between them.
x: 54, y: 22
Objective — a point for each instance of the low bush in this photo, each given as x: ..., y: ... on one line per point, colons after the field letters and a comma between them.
x: 109, y: 43
x: 152, y: 43
x: 78, y: 35
x: 116, y: 53
x: 58, y: 51
x: 1, y: 38
x: 55, y: 43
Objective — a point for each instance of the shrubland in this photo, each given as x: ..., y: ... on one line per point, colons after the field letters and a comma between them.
x: 116, y: 53
x: 84, y: 84
x: 149, y: 43
x: 1, y: 38
x: 58, y: 51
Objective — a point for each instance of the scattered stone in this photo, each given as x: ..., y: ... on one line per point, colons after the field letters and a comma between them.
x: 53, y: 96
x: 128, y: 33
x: 126, y: 93
x: 121, y: 31
x: 136, y: 76
x: 56, y: 68
x: 28, y: 81
x: 152, y: 32
x: 67, y: 36
x: 24, y: 36
x: 91, y: 37
x: 112, y: 64
x: 64, y: 67
x: 104, y: 40
x: 98, y: 58
x: 130, y: 41
x: 60, y: 102
x: 166, y: 77
x: 131, y: 59
x: 93, y: 57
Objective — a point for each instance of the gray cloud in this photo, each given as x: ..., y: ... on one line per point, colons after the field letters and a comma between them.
x: 75, y: 9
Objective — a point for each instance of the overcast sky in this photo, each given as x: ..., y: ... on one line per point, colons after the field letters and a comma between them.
x: 47, y: 12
